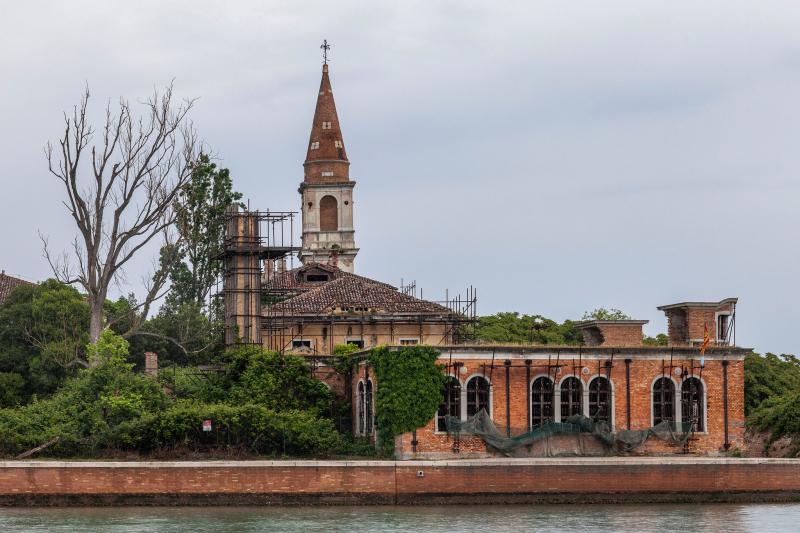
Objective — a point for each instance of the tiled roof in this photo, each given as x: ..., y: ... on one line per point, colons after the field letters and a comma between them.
x: 294, y: 279
x: 7, y: 283
x: 355, y: 294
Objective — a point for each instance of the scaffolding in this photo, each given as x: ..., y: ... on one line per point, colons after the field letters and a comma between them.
x: 252, y: 239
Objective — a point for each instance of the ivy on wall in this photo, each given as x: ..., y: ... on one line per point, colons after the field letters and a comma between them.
x: 408, y: 392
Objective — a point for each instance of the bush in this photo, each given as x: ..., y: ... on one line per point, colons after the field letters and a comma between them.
x: 248, y: 426
x: 780, y: 415
x: 11, y: 386
x: 769, y: 376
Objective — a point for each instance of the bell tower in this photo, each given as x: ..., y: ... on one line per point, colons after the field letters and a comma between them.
x: 326, y: 190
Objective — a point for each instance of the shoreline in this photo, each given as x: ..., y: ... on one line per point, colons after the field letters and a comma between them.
x: 370, y: 482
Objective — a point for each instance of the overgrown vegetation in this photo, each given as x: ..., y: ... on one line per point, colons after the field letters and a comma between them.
x: 534, y: 329
x: 772, y: 394
x: 258, y: 404
x: 409, y: 390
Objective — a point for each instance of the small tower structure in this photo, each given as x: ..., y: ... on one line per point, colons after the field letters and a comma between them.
x: 326, y: 190
x: 242, y: 277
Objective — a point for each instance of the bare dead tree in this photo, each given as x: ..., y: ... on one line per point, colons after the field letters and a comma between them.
x: 121, y: 196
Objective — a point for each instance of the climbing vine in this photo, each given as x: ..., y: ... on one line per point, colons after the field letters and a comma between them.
x: 409, y: 389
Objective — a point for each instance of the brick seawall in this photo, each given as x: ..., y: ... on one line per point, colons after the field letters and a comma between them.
x: 398, y: 482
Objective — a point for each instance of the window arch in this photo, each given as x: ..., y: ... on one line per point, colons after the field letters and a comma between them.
x: 369, y: 411
x: 478, y: 395
x: 328, y: 214
x: 451, y: 403
x: 571, y: 397
x: 541, y: 401
x: 601, y: 402
x: 360, y: 398
x: 663, y: 401
x: 692, y: 405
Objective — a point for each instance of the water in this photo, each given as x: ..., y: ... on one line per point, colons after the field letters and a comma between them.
x: 728, y: 518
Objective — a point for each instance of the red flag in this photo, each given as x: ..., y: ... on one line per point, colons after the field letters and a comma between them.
x: 706, y: 340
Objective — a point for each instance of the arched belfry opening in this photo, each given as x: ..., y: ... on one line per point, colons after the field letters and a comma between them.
x: 328, y: 214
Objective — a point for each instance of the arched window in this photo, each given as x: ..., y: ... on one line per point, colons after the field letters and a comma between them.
x: 541, y: 401
x: 328, y: 214
x: 571, y: 397
x: 360, y: 407
x: 369, y: 411
x: 600, y: 400
x: 663, y: 401
x: 451, y: 403
x: 692, y: 405
x: 477, y: 395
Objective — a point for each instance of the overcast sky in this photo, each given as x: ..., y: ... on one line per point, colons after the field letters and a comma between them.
x: 560, y: 156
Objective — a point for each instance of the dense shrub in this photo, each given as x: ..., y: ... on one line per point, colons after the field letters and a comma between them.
x: 768, y: 376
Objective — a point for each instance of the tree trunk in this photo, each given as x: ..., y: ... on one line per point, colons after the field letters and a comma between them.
x: 95, y: 319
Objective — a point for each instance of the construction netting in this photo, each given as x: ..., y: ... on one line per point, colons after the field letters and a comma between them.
x: 577, y: 435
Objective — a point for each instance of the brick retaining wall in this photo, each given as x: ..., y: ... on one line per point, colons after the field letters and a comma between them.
x: 389, y: 482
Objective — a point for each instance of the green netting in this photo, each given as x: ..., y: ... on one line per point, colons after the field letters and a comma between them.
x: 551, y: 438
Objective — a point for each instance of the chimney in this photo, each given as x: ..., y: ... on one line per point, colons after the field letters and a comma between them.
x: 151, y: 364
x: 282, y: 265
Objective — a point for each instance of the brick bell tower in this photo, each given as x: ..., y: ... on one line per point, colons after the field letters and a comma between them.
x: 327, y: 191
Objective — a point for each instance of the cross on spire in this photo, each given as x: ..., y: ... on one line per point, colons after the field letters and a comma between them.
x: 325, y: 47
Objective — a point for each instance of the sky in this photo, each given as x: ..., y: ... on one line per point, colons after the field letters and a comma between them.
x: 558, y: 156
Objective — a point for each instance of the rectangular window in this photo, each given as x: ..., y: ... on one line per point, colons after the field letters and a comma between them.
x: 315, y: 145
x: 327, y: 173
x: 326, y: 125
x: 409, y: 342
x: 337, y: 144
x: 356, y: 342
x: 299, y: 344
x: 722, y: 328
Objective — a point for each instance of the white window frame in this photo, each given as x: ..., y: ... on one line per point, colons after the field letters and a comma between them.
x: 407, y: 339
x: 326, y: 125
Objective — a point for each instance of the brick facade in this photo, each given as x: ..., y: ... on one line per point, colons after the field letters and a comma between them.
x: 389, y: 482
x: 644, y: 366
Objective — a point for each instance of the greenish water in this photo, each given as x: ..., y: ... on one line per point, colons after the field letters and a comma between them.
x: 730, y: 518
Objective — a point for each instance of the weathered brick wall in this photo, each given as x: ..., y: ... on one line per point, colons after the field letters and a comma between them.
x: 580, y: 479
x: 643, y: 372
x: 621, y: 335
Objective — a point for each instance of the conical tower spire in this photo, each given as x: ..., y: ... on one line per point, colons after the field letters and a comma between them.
x: 326, y: 159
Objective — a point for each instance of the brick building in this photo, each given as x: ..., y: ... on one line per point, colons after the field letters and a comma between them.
x: 9, y: 283
x: 613, y: 378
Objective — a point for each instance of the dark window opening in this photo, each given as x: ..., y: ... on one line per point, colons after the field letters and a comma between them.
x: 692, y: 405
x: 301, y: 344
x: 541, y: 401
x: 359, y: 343
x: 663, y: 401
x: 477, y: 396
x: 318, y: 277
x: 600, y: 403
x: 360, y: 401
x: 451, y: 403
x: 369, y: 417
x: 571, y: 398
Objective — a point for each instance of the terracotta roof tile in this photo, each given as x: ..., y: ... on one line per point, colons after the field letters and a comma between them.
x: 8, y: 283
x: 352, y: 293
x: 294, y: 279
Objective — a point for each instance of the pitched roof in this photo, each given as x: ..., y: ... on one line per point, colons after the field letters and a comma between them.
x: 294, y: 279
x: 326, y: 146
x: 8, y: 283
x: 357, y: 294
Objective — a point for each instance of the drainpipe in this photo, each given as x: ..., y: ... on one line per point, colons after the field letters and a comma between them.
x: 508, y: 397
x: 628, y: 391
x: 725, y: 401
x: 528, y: 389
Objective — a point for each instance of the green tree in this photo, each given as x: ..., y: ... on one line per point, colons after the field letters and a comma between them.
x: 515, y: 328
x: 200, y: 209
x: 601, y: 313
x: 43, y: 334
x: 769, y: 376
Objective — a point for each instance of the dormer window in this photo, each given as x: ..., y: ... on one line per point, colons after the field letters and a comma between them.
x: 317, y: 277
x: 326, y: 125
x: 337, y: 144
x: 315, y: 145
